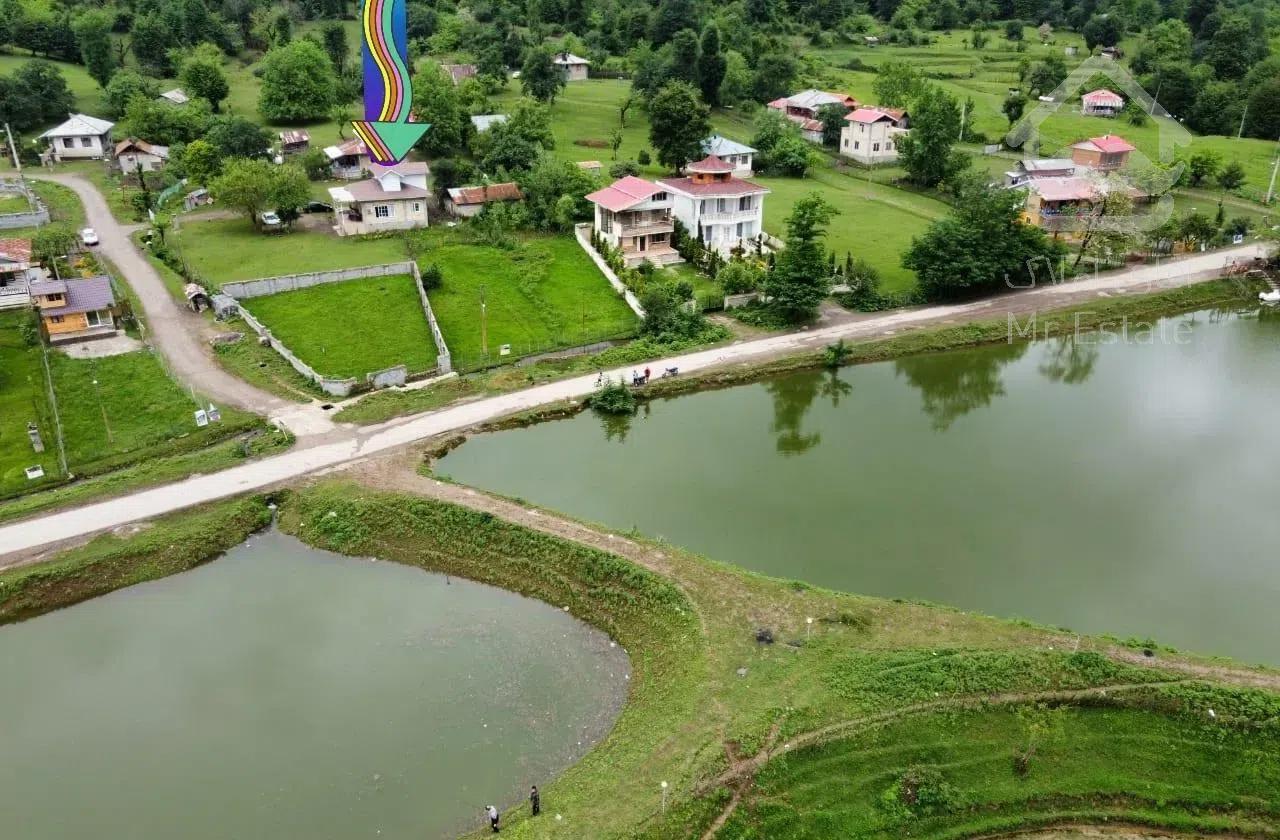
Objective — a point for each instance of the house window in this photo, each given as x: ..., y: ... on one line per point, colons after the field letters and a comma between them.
x: 720, y: 205
x: 703, y: 205
x: 659, y: 197
x: 846, y: 142
x: 417, y: 207
x: 739, y: 230
x: 382, y: 211
x: 856, y: 144
x: 95, y: 319
x: 68, y: 142
x: 888, y: 147
x: 606, y: 221
x: 53, y: 298
x: 55, y: 319
x: 87, y: 142
x: 744, y: 203
x: 875, y: 147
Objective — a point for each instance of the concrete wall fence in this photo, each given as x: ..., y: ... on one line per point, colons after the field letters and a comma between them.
x: 583, y: 234
x: 30, y: 218
x: 396, y: 375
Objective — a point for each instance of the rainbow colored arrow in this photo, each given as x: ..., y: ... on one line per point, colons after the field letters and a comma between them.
x: 388, y: 91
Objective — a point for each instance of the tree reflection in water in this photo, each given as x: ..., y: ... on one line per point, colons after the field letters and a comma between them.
x: 954, y: 384
x: 1069, y: 361
x: 793, y: 396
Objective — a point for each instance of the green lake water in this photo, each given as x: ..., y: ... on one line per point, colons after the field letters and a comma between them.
x: 284, y: 692
x: 1117, y: 484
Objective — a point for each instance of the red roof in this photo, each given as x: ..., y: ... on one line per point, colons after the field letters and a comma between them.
x: 15, y: 250
x: 624, y: 193
x: 1065, y: 189
x: 506, y: 191
x: 870, y: 115
x: 1102, y: 96
x: 1110, y: 144
x: 710, y: 165
x: 734, y: 186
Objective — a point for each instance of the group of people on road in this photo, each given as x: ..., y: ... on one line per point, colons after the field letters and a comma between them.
x: 535, y: 805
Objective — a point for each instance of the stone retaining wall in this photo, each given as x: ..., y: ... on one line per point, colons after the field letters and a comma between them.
x: 249, y: 289
x: 331, y: 386
x: 31, y: 218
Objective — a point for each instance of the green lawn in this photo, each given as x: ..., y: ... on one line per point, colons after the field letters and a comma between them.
x: 121, y: 409
x: 13, y: 204
x: 351, y: 328
x: 23, y: 399
x: 230, y: 249
x: 1093, y: 761
x: 544, y: 294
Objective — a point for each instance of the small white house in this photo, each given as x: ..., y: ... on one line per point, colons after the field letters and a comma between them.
x: 1101, y: 103
x: 722, y: 211
x: 395, y: 198
x: 81, y: 137
x: 349, y: 160
x: 740, y: 156
x: 573, y: 67
x: 133, y: 153
x: 870, y: 135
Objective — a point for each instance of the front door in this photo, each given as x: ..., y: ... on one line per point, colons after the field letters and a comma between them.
x: 641, y: 243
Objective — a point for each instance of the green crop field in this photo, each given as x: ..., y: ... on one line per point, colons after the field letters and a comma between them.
x: 544, y: 294
x: 23, y: 399
x: 351, y: 328
x: 225, y: 250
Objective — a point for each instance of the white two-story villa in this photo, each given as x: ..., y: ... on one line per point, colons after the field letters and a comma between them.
x: 719, y: 209
x: 634, y: 215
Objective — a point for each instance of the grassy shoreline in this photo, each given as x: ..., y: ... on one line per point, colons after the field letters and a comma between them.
x: 705, y: 696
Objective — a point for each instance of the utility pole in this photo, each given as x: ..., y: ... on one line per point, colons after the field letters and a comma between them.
x: 1271, y: 188
x: 1155, y: 100
x: 17, y: 164
x: 1245, y: 113
x: 964, y: 107
x: 484, y: 327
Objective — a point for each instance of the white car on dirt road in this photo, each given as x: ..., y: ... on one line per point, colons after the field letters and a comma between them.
x: 89, y: 236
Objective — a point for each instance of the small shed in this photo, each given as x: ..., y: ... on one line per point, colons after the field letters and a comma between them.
x: 225, y: 306
x: 484, y: 122
x: 593, y: 167
x: 469, y: 201
x: 294, y: 142
x: 177, y: 96
x: 196, y: 198
x: 870, y: 40
x: 574, y: 68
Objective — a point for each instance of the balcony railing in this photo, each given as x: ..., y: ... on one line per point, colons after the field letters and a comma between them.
x: 717, y: 217
x: 661, y: 224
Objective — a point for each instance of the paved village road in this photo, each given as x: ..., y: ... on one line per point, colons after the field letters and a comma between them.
x: 174, y: 330
x: 348, y: 444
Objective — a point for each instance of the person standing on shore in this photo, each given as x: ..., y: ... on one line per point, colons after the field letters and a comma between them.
x: 535, y: 802
x: 492, y: 813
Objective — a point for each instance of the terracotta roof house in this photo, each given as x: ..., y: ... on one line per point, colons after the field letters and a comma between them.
x: 294, y: 142
x: 573, y: 67
x: 1101, y: 103
x: 395, y: 198
x: 80, y: 137
x: 177, y: 96
x: 483, y: 122
x: 349, y: 160
x: 132, y: 154
x: 75, y: 310
x: 870, y: 134
x: 458, y: 72
x: 17, y: 273
x: 634, y: 215
x: 802, y: 109
x: 1106, y: 153
x: 715, y: 206
x: 740, y: 155
x: 469, y: 201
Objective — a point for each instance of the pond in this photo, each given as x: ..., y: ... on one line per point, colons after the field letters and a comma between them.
x: 282, y: 691
x: 1122, y: 484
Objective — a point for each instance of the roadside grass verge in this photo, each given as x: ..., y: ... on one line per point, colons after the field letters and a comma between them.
x: 224, y: 250
x: 119, y: 197
x: 23, y: 399
x: 167, y: 546
x: 351, y: 328
x: 541, y: 295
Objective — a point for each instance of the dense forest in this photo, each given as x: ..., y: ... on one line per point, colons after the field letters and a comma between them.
x: 1210, y: 59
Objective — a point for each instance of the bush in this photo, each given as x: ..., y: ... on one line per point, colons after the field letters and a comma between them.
x: 613, y: 398
x: 432, y: 277
x: 623, y: 168
x: 739, y: 277
x: 644, y: 157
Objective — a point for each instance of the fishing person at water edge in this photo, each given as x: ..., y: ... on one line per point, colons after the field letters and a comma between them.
x: 535, y: 801
x: 492, y: 813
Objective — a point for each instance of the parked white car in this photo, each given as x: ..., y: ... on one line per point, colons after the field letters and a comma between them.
x: 89, y: 236
x: 271, y: 221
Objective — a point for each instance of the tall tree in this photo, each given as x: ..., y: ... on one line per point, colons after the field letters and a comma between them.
x: 435, y: 101
x: 124, y: 86
x: 897, y: 83
x: 670, y: 17
x: 93, y: 35
x: 926, y: 151
x: 333, y: 37
x: 151, y: 39
x: 1264, y: 110
x: 237, y: 137
x: 201, y: 75
x: 678, y: 123
x: 711, y: 65
x: 201, y: 161
x: 539, y: 75
x: 298, y: 83
x: 684, y: 57
x: 35, y: 95
x: 832, y: 118
x: 801, y: 277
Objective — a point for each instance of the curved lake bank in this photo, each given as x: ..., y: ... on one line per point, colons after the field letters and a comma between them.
x: 1119, y: 484
x: 283, y: 691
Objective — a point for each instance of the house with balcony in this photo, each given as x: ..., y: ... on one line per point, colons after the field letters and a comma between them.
x: 81, y: 137
x: 634, y: 215
x: 870, y: 134
x: 1062, y: 205
x: 75, y: 310
x: 395, y: 198
x: 17, y: 273
x: 715, y: 206
x: 1101, y: 103
x: 802, y: 109
x: 350, y: 160
x: 741, y: 156
x: 1107, y: 153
